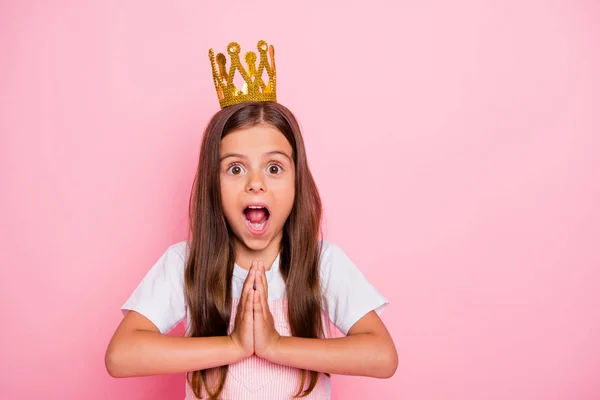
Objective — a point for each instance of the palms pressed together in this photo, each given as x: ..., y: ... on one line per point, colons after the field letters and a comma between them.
x: 254, y: 329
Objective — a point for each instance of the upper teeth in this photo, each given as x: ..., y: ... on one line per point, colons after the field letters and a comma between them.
x: 255, y: 207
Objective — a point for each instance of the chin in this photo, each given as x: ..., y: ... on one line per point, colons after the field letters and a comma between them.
x: 256, y: 244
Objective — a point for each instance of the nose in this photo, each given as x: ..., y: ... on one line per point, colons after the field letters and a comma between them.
x: 256, y: 183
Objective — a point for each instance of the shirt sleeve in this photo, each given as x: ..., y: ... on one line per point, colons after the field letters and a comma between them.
x: 348, y: 294
x: 160, y: 296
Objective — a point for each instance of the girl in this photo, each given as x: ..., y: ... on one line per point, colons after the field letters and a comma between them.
x: 254, y: 282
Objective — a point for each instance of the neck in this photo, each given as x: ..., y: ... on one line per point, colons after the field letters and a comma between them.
x: 245, y: 255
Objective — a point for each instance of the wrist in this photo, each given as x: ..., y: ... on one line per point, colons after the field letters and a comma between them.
x: 272, y: 352
x: 238, y: 351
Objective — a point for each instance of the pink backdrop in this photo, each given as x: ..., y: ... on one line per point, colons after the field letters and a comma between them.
x: 456, y: 145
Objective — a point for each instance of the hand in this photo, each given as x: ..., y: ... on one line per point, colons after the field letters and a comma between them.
x: 243, y: 331
x: 265, y: 335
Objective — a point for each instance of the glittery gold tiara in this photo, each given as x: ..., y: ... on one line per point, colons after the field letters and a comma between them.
x: 255, y: 88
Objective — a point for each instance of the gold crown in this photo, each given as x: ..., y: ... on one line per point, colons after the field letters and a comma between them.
x: 254, y: 89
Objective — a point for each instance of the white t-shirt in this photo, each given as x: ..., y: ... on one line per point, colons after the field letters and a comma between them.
x: 347, y: 294
x: 347, y: 297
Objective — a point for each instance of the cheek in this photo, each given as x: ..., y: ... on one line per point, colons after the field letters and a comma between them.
x: 285, y: 195
x: 228, y: 199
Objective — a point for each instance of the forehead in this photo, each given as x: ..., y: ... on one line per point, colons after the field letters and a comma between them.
x: 255, y: 141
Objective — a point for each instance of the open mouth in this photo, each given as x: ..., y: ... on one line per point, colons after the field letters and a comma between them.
x: 257, y: 218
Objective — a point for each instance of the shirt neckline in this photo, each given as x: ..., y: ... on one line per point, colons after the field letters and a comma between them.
x: 242, y: 273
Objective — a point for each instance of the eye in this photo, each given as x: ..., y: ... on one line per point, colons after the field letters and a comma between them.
x: 275, y: 169
x: 235, y: 169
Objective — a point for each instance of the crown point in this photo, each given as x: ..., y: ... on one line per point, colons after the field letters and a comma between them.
x: 221, y: 60
x: 233, y: 48
x: 262, y: 45
x: 250, y: 57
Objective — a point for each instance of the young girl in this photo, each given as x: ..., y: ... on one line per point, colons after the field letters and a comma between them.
x: 255, y: 284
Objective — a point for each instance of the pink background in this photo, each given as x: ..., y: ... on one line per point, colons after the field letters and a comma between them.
x: 456, y: 145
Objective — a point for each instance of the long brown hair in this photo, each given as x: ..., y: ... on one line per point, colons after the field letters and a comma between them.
x: 210, y: 264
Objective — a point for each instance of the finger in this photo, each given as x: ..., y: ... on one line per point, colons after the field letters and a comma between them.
x: 264, y: 285
x: 264, y: 296
x: 247, y: 288
x: 264, y: 307
x: 249, y: 306
x: 243, y: 295
x: 249, y: 282
x: 265, y: 301
x: 262, y: 293
x: 257, y: 306
x: 259, y: 281
x: 252, y: 278
x: 263, y: 277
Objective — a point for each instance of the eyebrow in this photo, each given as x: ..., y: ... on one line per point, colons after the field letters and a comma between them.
x: 270, y: 153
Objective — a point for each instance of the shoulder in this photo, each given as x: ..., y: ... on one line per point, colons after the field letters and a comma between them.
x: 172, y: 260
x: 179, y: 249
x: 331, y: 254
x: 160, y: 295
x: 347, y: 293
x: 334, y: 261
x: 337, y: 268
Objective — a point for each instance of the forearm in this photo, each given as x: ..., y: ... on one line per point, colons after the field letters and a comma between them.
x: 144, y: 353
x: 360, y: 354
